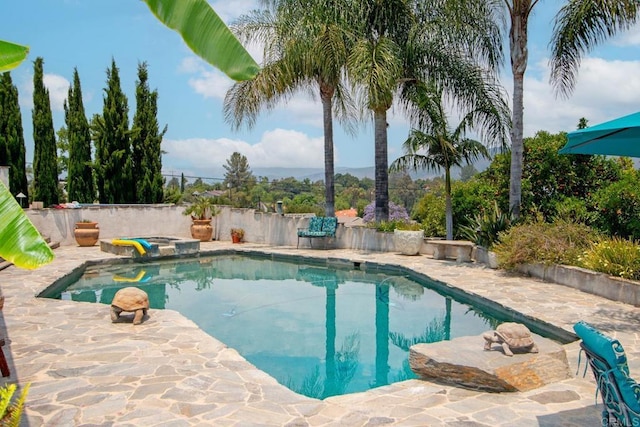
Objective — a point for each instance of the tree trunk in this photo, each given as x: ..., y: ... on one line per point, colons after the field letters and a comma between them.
x: 382, y: 168
x: 448, y: 208
x: 326, y: 95
x: 519, y: 56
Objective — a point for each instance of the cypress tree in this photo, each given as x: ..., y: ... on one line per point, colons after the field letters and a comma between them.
x: 12, y: 136
x: 45, y: 162
x: 146, y: 142
x: 113, y: 147
x: 80, y: 176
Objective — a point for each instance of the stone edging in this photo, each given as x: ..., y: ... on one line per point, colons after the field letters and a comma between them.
x: 613, y: 288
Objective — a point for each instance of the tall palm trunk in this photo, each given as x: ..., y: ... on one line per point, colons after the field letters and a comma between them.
x: 519, y: 56
x: 326, y: 95
x: 382, y: 168
x: 448, y: 207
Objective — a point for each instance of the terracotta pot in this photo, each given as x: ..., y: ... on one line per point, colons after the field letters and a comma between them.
x: 202, y: 230
x: 86, y: 233
x: 235, y: 238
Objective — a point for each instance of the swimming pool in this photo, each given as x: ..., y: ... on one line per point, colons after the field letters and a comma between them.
x: 320, y: 330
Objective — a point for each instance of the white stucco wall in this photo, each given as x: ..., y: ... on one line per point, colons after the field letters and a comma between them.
x: 168, y: 220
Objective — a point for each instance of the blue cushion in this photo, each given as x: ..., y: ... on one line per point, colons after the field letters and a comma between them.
x: 315, y: 224
x: 612, y: 351
x: 606, y: 347
x: 329, y: 225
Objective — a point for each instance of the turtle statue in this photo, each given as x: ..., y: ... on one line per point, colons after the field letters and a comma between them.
x: 130, y: 299
x: 512, y: 336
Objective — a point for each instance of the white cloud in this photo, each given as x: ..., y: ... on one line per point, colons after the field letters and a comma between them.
x: 277, y: 148
x: 629, y: 38
x: 231, y: 10
x: 211, y: 84
x: 604, y: 90
x: 58, y: 87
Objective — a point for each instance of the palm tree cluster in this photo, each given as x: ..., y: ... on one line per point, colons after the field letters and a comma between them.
x: 364, y: 57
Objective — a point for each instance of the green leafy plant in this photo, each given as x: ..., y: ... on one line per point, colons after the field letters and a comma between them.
x: 202, y: 208
x: 485, y: 227
x: 10, y: 409
x: 613, y: 256
x: 558, y: 243
x: 395, y: 224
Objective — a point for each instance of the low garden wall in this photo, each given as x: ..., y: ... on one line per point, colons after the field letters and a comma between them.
x: 117, y: 221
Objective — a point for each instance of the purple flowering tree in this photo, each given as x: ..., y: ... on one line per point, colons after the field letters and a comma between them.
x: 396, y: 212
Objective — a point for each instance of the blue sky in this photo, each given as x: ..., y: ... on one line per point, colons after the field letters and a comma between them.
x: 86, y: 34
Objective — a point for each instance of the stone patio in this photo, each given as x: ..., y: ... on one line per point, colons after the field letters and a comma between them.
x: 84, y: 370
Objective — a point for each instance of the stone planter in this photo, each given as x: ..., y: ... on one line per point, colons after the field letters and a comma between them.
x: 408, y: 242
x: 86, y: 233
x: 202, y: 229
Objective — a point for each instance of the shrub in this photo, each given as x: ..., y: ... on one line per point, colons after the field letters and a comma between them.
x: 484, y: 227
x: 395, y: 212
x: 616, y: 257
x: 618, y: 207
x: 400, y: 224
x: 558, y: 243
x: 430, y: 211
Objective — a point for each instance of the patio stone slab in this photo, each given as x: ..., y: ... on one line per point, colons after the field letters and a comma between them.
x: 463, y: 362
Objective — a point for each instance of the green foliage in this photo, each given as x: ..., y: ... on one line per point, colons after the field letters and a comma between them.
x: 470, y: 198
x: 574, y: 209
x: 238, y: 174
x: 172, y: 195
x: 618, y: 207
x: 113, y: 148
x: 45, y: 163
x: 430, y: 211
x: 202, y: 208
x: 549, y: 177
x: 11, y: 411
x: 558, y: 243
x: 146, y: 142
x: 615, y: 257
x: 80, y: 176
x: 485, y: 226
x: 395, y: 224
x: 12, y: 136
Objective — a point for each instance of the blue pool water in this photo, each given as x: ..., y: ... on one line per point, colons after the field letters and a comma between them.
x: 320, y: 331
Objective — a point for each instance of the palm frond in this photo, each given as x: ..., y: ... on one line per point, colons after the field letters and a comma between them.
x: 578, y: 28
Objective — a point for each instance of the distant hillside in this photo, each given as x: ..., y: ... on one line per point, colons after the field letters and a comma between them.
x: 313, y: 174
x: 317, y: 174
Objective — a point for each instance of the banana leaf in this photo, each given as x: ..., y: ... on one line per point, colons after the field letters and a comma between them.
x: 20, y: 241
x: 11, y: 55
x: 206, y: 35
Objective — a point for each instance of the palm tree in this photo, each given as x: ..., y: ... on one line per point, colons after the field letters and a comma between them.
x: 579, y: 26
x: 306, y: 44
x: 519, y: 11
x: 401, y: 42
x: 434, y: 146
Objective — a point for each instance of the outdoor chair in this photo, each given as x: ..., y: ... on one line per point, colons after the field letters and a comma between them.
x: 619, y: 392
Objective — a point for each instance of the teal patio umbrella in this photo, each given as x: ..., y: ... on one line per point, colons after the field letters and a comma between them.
x: 618, y: 137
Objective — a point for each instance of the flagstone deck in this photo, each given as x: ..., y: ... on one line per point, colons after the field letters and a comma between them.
x: 84, y: 370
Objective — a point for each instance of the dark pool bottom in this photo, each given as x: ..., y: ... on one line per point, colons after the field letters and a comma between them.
x: 321, y: 328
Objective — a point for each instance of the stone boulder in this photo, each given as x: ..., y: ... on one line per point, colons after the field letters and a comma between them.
x: 463, y: 362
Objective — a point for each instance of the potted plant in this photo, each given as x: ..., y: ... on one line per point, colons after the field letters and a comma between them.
x: 202, y: 211
x: 86, y: 232
x: 237, y: 234
x: 408, y: 238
